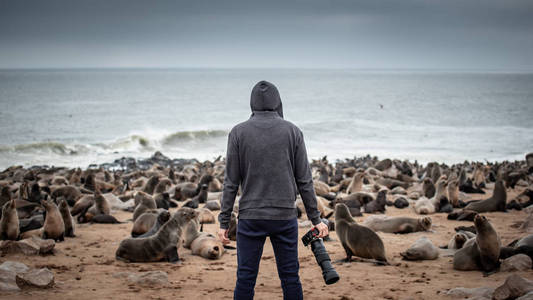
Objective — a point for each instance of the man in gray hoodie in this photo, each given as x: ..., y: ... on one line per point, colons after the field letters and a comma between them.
x: 266, y: 156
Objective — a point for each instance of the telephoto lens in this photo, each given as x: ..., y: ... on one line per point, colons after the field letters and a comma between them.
x: 321, y: 255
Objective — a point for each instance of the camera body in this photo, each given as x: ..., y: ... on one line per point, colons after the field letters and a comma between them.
x: 310, y: 236
x: 321, y: 255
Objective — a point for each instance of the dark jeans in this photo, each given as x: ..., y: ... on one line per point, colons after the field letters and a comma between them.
x: 251, y: 236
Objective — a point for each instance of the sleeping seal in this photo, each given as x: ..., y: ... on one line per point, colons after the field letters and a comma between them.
x: 397, y: 224
x: 202, y: 244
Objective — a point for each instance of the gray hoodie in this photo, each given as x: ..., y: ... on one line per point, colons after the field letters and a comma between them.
x: 266, y: 155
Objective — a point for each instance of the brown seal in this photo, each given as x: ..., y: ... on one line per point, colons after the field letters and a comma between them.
x: 428, y: 188
x: 161, y: 246
x: 67, y: 218
x: 481, y: 253
x: 356, y: 185
x: 100, y: 206
x: 69, y: 192
x: 146, y: 202
x: 54, y: 227
x: 150, y: 185
x: 144, y: 222
x: 397, y: 224
x: 202, y: 244
x: 9, y: 223
x: 377, y: 205
x: 351, y: 236
x: 161, y: 219
x: 497, y: 202
x: 82, y: 204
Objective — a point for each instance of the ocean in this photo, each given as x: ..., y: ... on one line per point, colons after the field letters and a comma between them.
x: 79, y: 117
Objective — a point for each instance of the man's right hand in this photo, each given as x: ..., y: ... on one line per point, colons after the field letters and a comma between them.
x: 322, y: 229
x: 223, y: 235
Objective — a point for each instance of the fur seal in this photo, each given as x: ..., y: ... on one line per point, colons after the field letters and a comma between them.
x: 422, y: 249
x: 212, y: 205
x: 161, y: 246
x: 458, y: 240
x: 82, y: 205
x: 356, y: 185
x: 481, y: 253
x: 520, y: 246
x: 105, y: 219
x: 397, y: 224
x: 162, y: 200
x: 5, y: 195
x: 428, y: 188
x: 146, y: 203
x: 205, y: 216
x: 144, y: 223
x: 497, y: 202
x: 377, y: 205
x: 150, y: 185
x: 67, y: 218
x: 462, y: 215
x: 355, y: 239
x: 69, y: 192
x: 54, y: 227
x: 202, y: 244
x: 453, y: 192
x: 35, y: 222
x: 401, y: 202
x: 162, y: 218
x: 9, y: 223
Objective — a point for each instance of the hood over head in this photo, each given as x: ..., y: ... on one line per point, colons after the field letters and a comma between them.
x: 265, y: 97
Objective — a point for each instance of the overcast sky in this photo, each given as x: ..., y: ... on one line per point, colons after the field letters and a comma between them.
x: 444, y: 34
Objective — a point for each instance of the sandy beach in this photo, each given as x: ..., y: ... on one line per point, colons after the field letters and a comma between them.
x: 85, y: 266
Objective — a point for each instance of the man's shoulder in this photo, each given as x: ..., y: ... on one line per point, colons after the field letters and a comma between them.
x: 243, y: 125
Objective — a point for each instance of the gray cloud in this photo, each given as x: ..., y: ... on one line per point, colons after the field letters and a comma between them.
x: 490, y: 34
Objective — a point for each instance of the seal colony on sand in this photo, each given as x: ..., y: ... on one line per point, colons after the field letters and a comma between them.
x: 147, y: 189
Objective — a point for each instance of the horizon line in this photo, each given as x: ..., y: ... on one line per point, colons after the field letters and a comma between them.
x: 146, y: 68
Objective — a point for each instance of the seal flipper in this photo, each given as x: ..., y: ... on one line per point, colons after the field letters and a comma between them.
x: 171, y: 254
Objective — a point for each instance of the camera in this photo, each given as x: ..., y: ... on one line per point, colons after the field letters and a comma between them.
x: 321, y: 255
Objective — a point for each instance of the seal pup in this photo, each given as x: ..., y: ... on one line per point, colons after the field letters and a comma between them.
x: 150, y: 185
x: 160, y: 246
x: 205, y: 216
x: 32, y: 223
x: 67, y: 218
x: 497, y: 202
x: 162, y: 218
x: 5, y: 195
x: 202, y: 244
x: 104, y: 219
x: 422, y: 249
x: 453, y: 192
x: 162, y: 200
x: 9, y: 223
x: 357, y: 240
x: 397, y: 224
x: 481, y: 253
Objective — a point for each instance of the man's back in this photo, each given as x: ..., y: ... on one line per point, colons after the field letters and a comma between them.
x: 266, y: 155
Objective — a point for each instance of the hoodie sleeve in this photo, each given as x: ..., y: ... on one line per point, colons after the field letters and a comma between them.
x: 232, y: 179
x: 304, y: 181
